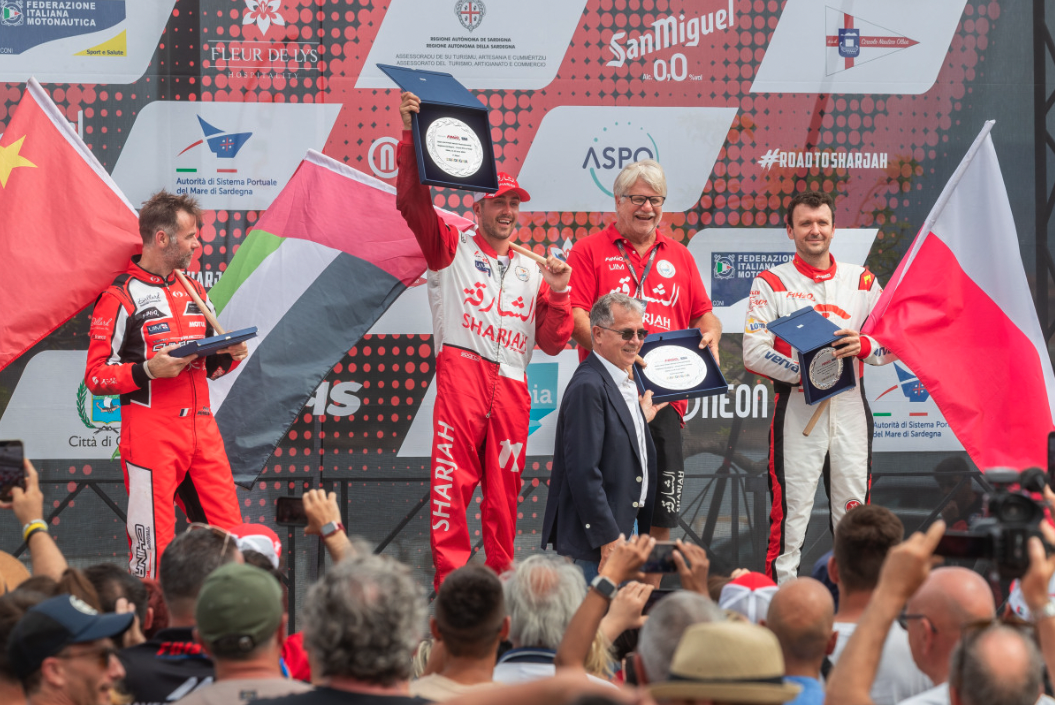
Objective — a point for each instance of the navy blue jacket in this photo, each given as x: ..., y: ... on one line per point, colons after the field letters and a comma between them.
x: 596, y: 480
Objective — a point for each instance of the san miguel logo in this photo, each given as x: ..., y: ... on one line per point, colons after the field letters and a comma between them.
x: 470, y: 13
x: 851, y: 41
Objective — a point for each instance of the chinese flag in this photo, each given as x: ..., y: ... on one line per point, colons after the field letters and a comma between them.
x: 65, y: 229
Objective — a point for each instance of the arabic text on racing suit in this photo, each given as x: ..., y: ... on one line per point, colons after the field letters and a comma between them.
x: 840, y: 446
x: 486, y: 322
x: 170, y: 445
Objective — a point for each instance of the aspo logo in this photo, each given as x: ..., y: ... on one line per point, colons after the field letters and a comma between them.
x: 910, y: 385
x: 470, y: 13
x: 382, y: 157
x: 618, y: 145
x: 596, y: 142
x: 11, y: 13
x: 263, y: 13
x: 225, y: 145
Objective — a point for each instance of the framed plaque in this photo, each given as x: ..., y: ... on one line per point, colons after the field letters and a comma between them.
x: 452, y: 133
x: 677, y: 368
x: 811, y: 336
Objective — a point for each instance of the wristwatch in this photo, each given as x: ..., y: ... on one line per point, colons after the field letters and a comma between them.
x: 331, y: 528
x: 1045, y: 612
x: 605, y: 586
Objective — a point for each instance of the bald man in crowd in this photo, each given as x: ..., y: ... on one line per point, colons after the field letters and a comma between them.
x: 802, y: 615
x: 934, y: 618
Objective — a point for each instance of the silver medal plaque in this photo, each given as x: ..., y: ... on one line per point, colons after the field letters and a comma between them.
x: 674, y: 367
x: 825, y: 369
x: 454, y: 147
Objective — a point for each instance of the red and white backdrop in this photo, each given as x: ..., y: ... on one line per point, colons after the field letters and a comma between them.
x: 744, y: 102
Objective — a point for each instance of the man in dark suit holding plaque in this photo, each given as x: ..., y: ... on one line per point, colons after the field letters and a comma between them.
x: 604, y: 461
x: 840, y: 445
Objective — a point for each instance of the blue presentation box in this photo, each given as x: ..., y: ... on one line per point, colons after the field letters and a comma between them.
x: 679, y: 369
x: 208, y: 346
x: 443, y: 97
x: 812, y: 335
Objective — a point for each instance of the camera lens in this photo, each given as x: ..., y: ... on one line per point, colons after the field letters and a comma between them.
x: 1015, y: 509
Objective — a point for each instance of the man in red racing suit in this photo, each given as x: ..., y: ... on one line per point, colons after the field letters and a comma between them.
x: 489, y: 307
x: 839, y: 448
x: 170, y: 445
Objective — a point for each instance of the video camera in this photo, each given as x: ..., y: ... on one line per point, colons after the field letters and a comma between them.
x: 1010, y: 515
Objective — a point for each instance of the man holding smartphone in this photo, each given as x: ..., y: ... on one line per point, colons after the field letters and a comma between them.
x: 170, y: 446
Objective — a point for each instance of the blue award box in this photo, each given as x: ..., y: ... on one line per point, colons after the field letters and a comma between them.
x: 812, y: 335
x: 452, y: 133
x: 208, y: 346
x: 677, y: 367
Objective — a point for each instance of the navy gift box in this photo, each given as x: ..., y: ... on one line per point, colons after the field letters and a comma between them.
x: 443, y: 97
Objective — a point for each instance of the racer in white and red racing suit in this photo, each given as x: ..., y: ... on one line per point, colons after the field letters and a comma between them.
x: 170, y: 444
x: 486, y: 322
x: 840, y: 446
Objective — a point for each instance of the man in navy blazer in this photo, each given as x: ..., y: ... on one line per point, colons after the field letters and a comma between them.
x: 604, y: 462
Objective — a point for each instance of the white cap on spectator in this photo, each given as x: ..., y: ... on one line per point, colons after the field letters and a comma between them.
x: 749, y: 595
x: 1017, y: 602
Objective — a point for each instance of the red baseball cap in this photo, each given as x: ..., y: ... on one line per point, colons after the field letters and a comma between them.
x: 507, y: 183
x: 259, y: 538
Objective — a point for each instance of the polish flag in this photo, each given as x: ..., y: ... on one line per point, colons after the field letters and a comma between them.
x: 958, y: 312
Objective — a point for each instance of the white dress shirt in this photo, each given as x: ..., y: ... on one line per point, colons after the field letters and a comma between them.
x: 628, y: 388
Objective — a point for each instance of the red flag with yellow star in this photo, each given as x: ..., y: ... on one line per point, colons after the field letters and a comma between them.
x: 66, y: 230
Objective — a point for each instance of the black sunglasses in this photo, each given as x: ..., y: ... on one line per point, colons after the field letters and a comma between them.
x: 628, y: 333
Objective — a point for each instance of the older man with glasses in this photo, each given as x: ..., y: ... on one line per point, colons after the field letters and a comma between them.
x: 604, y: 461
x: 633, y: 256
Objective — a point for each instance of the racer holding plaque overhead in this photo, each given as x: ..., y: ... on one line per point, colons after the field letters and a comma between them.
x: 170, y: 444
x: 633, y: 257
x: 490, y: 305
x: 840, y: 446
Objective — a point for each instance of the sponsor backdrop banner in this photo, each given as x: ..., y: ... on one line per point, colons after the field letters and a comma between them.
x: 744, y: 103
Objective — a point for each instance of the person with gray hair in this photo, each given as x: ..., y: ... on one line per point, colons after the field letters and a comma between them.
x: 542, y: 594
x: 604, y: 460
x: 634, y: 257
x: 362, y: 623
x: 662, y: 633
x: 995, y: 665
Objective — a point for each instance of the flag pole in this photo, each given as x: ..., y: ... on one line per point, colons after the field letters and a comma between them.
x: 527, y: 253
x: 217, y: 328
x: 947, y: 192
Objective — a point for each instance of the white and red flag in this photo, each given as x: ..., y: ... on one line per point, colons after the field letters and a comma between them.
x: 66, y: 230
x: 958, y: 311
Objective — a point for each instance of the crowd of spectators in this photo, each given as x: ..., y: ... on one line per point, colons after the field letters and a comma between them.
x: 888, y: 625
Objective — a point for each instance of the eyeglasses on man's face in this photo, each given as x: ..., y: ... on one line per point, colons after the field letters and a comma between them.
x: 656, y: 201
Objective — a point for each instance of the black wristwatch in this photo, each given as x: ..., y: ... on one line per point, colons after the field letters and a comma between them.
x: 605, y: 586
